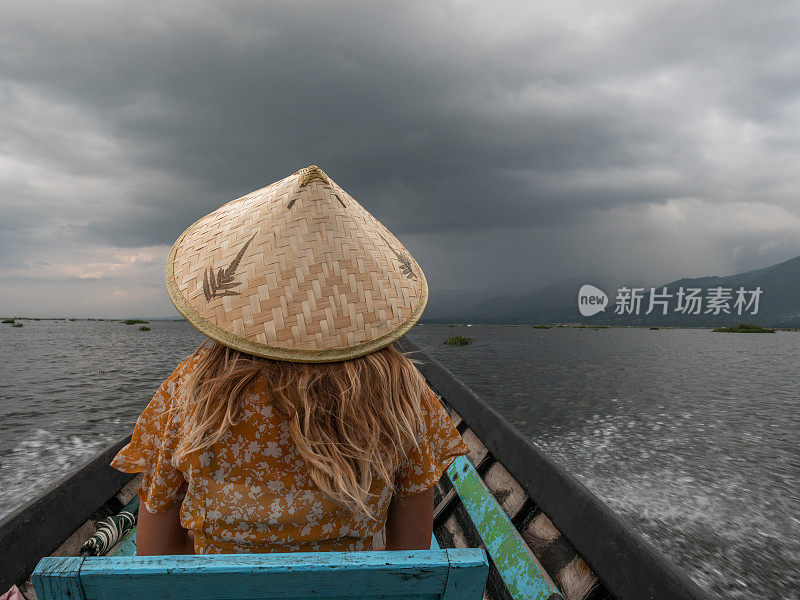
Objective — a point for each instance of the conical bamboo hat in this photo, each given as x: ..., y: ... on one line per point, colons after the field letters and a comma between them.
x: 296, y: 271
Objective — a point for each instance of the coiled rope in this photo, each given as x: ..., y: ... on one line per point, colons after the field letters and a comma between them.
x: 111, y: 530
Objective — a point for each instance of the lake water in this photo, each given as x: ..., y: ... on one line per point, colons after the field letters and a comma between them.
x: 691, y: 436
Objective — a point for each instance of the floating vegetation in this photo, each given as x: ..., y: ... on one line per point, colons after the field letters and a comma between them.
x: 16, y: 324
x: 540, y: 326
x: 15, y: 319
x: 144, y: 328
x: 743, y: 328
x: 135, y: 322
x: 458, y: 340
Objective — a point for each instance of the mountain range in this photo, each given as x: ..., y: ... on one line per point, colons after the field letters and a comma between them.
x: 778, y: 303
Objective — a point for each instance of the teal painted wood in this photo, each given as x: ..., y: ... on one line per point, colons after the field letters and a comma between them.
x: 466, y: 579
x: 452, y: 574
x: 523, y: 575
x: 434, y: 543
x: 126, y: 546
x: 56, y: 578
x: 274, y: 576
x: 402, y: 574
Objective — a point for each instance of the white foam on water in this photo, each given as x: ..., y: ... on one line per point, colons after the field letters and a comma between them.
x: 674, y: 510
x: 36, y: 463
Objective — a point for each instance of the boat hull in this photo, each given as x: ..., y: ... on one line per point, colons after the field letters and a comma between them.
x: 555, y: 525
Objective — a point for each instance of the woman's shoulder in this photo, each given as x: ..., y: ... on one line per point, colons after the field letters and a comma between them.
x: 172, y: 385
x: 435, y: 417
x: 429, y: 402
x: 187, y: 365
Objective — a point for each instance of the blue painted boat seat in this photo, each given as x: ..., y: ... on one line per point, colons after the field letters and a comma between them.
x: 420, y: 574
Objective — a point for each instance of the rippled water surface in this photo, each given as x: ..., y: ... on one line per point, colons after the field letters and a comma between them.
x: 691, y: 436
x: 70, y: 388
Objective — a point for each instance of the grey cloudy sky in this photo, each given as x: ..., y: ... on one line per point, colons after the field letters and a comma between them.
x: 506, y: 144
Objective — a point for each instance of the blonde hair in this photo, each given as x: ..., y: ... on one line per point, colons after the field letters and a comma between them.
x: 350, y: 421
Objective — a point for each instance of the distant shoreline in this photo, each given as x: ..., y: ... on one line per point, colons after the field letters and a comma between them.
x: 119, y: 320
x: 586, y: 326
x: 540, y: 326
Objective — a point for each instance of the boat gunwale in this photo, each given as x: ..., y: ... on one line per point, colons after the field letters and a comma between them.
x: 42, y: 524
x: 623, y: 560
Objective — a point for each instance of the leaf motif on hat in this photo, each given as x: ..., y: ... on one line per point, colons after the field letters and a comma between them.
x: 222, y: 284
x: 404, y: 260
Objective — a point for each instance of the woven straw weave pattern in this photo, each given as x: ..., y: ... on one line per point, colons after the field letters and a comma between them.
x: 320, y: 272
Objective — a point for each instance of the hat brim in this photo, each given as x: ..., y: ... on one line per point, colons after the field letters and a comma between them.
x: 276, y: 353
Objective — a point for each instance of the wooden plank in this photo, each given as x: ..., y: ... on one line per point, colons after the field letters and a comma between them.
x: 57, y: 578
x: 445, y: 504
x: 455, y: 533
x: 577, y: 580
x: 559, y: 557
x: 268, y: 576
x: 627, y: 564
x: 454, y: 416
x: 505, y: 489
x: 73, y: 543
x: 524, y: 577
x: 293, y: 575
x: 477, y: 451
x: 131, y: 488
x: 467, y: 576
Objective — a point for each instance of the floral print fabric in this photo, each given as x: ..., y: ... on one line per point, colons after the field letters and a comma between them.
x: 251, y: 491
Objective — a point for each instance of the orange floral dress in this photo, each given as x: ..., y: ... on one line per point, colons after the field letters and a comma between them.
x: 251, y: 492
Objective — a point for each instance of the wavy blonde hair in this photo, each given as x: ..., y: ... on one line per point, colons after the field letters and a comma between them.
x: 351, y: 421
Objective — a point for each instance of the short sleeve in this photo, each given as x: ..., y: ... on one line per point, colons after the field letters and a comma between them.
x: 152, y: 444
x: 439, y: 443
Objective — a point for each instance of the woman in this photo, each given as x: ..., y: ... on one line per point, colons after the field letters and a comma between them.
x: 301, y: 426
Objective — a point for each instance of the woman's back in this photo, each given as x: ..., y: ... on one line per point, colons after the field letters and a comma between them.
x: 252, y: 490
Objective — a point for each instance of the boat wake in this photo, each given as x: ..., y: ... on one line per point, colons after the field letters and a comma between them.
x: 729, y: 535
x: 36, y: 463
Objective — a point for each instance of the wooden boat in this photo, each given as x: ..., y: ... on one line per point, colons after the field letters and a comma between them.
x: 544, y: 534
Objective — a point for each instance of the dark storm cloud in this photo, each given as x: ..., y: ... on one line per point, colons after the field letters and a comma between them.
x: 464, y: 119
